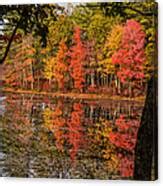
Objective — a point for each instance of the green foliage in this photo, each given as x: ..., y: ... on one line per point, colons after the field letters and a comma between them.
x: 95, y: 24
x: 61, y: 29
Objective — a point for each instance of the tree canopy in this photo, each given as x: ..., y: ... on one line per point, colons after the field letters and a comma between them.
x: 83, y: 46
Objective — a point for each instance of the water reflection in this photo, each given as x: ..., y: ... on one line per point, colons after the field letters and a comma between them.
x: 64, y: 138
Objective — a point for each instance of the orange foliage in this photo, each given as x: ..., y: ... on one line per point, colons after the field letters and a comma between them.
x: 75, y: 130
x: 61, y: 66
x: 58, y: 124
x: 77, y: 55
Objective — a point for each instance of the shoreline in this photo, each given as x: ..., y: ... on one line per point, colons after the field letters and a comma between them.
x: 72, y: 95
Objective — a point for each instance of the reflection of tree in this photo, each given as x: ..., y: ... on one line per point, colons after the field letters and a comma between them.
x: 58, y: 122
x: 75, y: 134
x: 101, y: 147
x: 52, y: 138
x: 48, y: 160
x: 126, y: 165
x: 117, y: 141
x: 16, y: 136
x: 55, y: 122
x: 28, y: 146
x: 125, y: 137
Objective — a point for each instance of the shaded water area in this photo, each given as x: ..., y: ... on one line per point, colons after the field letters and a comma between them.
x: 64, y: 138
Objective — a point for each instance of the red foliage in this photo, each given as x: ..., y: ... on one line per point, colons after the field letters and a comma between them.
x: 30, y: 78
x: 92, y: 88
x: 124, y: 141
x: 126, y: 135
x: 126, y: 166
x: 75, y: 130
x: 77, y: 55
x: 45, y: 86
x: 131, y: 57
x: 124, y: 125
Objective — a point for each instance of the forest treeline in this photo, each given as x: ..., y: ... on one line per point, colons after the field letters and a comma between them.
x: 89, y: 48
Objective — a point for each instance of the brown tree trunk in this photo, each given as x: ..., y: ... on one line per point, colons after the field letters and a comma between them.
x: 146, y: 151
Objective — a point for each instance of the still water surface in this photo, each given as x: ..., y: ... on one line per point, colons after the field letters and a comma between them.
x: 64, y: 138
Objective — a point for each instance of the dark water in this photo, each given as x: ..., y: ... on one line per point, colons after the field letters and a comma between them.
x: 65, y: 138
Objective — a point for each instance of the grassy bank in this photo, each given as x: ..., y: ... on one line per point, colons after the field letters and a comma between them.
x: 76, y: 95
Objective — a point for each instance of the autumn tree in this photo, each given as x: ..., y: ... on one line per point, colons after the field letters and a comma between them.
x: 96, y: 26
x: 112, y: 44
x: 61, y: 66
x: 77, y: 59
x: 146, y: 14
x: 38, y: 65
x: 48, y: 72
x: 90, y: 66
x: 21, y: 60
x: 60, y: 29
x: 130, y: 57
x: 92, y: 54
x: 93, y: 21
x: 29, y: 59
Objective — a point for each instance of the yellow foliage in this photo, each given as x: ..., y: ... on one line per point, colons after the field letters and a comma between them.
x: 49, y: 67
x: 47, y: 118
x: 114, y: 38
x: 112, y: 44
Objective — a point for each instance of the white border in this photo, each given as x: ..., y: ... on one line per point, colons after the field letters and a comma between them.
x: 49, y: 1
x: 5, y: 2
x: 55, y: 182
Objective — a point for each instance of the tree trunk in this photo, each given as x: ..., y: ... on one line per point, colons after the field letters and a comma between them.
x: 38, y: 83
x: 92, y: 79
x: 130, y: 89
x: 146, y: 151
x: 32, y: 74
x: 119, y: 87
x: 50, y: 82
